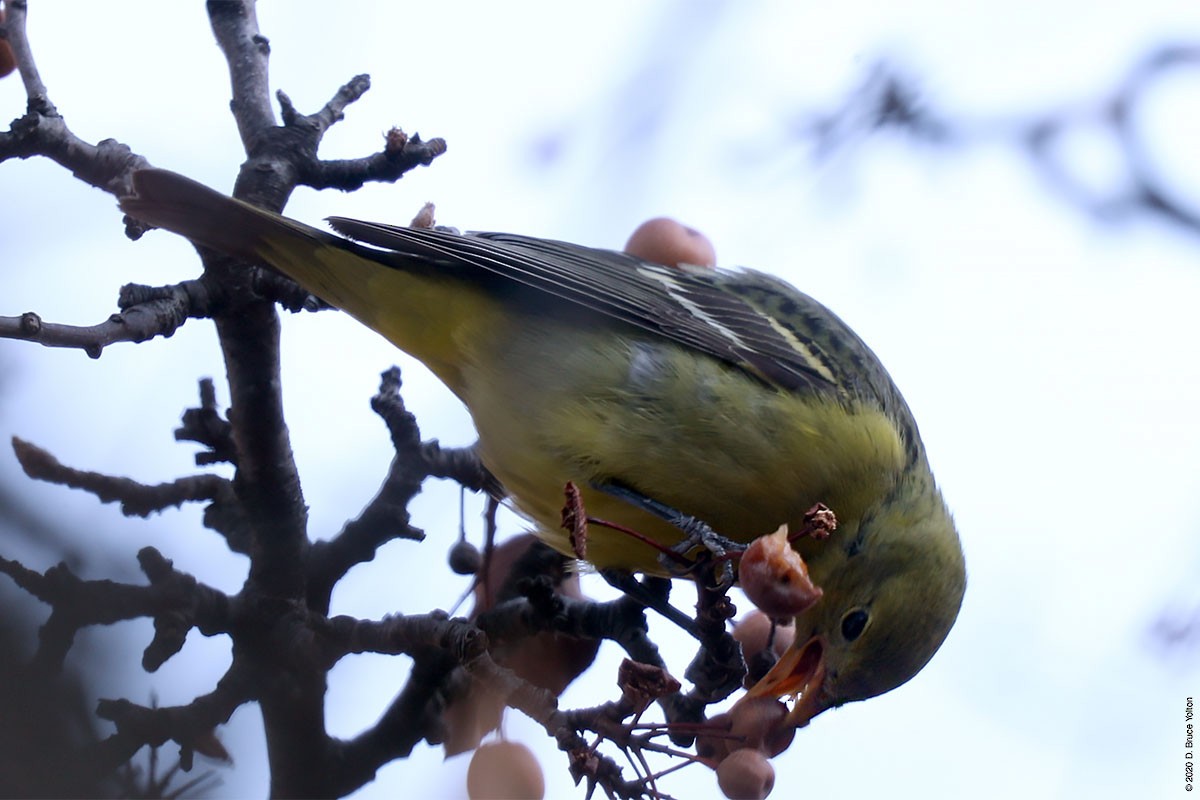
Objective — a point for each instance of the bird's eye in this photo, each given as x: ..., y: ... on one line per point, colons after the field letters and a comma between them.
x: 853, y: 624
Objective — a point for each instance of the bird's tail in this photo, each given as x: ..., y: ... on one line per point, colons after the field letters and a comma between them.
x: 168, y: 200
x: 424, y: 313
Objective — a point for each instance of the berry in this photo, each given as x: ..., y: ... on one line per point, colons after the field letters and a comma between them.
x: 505, y: 769
x: 775, y: 577
x: 665, y: 241
x: 746, y: 775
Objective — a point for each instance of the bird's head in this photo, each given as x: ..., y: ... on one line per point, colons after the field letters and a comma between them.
x: 893, y: 584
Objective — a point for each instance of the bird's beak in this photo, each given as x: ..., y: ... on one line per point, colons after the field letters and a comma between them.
x: 800, y: 672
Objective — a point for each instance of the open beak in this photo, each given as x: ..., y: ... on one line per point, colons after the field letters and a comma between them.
x: 800, y: 672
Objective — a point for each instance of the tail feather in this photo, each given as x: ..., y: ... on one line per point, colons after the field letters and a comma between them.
x: 423, y: 311
x: 171, y: 201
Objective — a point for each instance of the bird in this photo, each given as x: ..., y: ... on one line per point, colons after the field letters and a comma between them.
x: 726, y: 394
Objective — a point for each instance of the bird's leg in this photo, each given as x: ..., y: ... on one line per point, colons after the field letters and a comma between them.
x: 697, y: 533
x: 653, y: 594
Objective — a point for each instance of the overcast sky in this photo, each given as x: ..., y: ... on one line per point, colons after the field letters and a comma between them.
x: 1050, y: 359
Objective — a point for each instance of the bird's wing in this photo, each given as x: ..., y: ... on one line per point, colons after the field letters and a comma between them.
x: 758, y: 324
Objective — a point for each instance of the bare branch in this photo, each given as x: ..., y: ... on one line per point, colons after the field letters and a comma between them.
x: 146, y: 312
x: 461, y: 465
x: 188, y: 725
x: 107, y: 165
x: 136, y: 499
x: 289, y: 294
x: 206, y: 426
x: 43, y: 132
x: 401, y: 154
x: 400, y: 633
x: 175, y: 599
x: 18, y: 41
x: 331, y: 113
x: 718, y: 668
x: 414, y: 715
x: 247, y: 52
x: 439, y: 644
x: 386, y: 516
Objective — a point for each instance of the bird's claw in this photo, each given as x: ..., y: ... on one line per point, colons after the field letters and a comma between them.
x: 713, y: 546
x: 676, y: 560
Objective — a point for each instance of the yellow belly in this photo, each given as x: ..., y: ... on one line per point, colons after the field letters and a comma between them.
x: 555, y: 401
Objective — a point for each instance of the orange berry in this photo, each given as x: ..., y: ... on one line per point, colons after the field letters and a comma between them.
x: 775, y: 577
x: 665, y: 241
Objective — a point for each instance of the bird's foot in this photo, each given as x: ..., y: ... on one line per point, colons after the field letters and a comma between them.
x: 714, y: 548
x: 678, y: 559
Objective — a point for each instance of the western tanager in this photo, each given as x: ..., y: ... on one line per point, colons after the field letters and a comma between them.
x: 728, y: 395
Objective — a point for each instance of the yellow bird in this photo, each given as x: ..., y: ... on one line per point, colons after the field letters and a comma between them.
x: 728, y: 395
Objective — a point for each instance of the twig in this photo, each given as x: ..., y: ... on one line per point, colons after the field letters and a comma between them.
x: 146, y: 312
x: 247, y: 52
x: 175, y: 600
x: 289, y: 294
x: 206, y: 426
x: 414, y: 714
x: 136, y: 499
x: 43, y: 132
x: 188, y: 725
x: 401, y: 154
x: 386, y: 516
x: 332, y: 112
x: 461, y: 465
